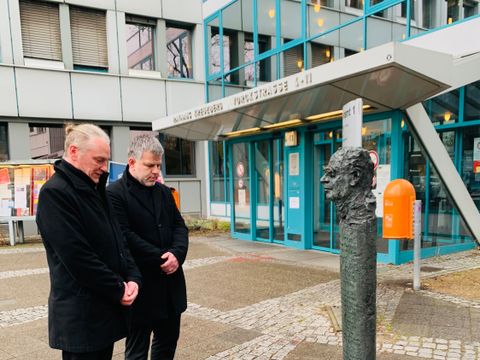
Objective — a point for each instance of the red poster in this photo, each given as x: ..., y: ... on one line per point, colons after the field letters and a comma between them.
x: 4, y: 176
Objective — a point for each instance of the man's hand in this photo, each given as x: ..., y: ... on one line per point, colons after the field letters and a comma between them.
x: 171, y: 263
x: 130, y: 294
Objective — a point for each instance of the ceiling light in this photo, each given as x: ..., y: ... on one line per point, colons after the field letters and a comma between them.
x: 283, y: 124
x: 447, y: 116
x: 242, y: 132
x: 331, y: 114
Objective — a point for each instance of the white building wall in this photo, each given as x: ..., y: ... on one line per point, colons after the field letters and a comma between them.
x: 46, y: 92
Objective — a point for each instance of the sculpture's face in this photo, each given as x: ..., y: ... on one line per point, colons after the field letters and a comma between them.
x: 337, y: 181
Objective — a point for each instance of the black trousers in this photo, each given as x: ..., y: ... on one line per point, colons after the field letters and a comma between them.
x: 105, y: 354
x: 164, y: 343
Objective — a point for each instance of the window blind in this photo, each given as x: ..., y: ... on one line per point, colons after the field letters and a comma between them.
x: 40, y: 26
x: 89, y: 37
x: 290, y: 61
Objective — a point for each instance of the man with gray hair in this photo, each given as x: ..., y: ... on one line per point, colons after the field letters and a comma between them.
x: 158, y: 239
x: 92, y: 274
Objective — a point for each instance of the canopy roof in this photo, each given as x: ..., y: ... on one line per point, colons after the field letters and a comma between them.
x: 390, y: 76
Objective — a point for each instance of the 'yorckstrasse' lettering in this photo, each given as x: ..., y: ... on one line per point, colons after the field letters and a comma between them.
x: 261, y: 93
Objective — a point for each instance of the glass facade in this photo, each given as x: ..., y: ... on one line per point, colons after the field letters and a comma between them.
x: 219, y: 172
x: 318, y: 35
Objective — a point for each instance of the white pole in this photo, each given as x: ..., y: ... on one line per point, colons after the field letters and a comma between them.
x: 417, y: 236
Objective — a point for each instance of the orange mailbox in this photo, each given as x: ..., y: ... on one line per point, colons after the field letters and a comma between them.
x: 398, y: 199
x: 176, y: 197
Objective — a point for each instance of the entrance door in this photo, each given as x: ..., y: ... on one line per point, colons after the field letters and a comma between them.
x: 263, y: 197
x: 268, y: 179
x: 325, y: 225
x: 278, y: 192
x: 241, y: 189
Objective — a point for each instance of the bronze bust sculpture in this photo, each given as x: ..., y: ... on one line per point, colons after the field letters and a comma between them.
x: 348, y: 183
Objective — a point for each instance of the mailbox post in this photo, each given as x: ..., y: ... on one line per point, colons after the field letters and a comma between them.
x: 402, y: 219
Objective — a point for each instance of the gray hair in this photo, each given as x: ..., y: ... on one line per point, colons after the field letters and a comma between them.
x: 144, y: 143
x: 81, y: 134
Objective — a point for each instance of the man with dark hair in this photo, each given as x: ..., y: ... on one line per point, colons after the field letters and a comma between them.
x: 158, y: 239
x: 92, y: 274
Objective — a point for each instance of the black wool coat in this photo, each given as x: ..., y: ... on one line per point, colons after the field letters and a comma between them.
x: 153, y: 226
x: 88, y: 261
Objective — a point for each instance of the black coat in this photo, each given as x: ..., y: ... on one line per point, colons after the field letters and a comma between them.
x: 152, y: 225
x: 88, y: 260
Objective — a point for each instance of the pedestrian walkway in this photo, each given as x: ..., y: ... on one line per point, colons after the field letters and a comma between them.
x: 251, y: 300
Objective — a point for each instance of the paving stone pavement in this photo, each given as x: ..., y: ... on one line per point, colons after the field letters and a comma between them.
x: 281, y: 323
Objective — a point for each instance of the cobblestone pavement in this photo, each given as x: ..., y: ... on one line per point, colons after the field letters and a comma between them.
x: 284, y: 322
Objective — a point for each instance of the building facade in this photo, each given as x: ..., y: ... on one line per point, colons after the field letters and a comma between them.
x: 123, y: 64
x: 268, y: 188
x: 119, y: 64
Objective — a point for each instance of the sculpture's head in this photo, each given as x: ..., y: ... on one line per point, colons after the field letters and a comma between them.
x: 348, y: 173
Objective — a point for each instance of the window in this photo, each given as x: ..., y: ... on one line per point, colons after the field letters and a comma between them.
x: 140, y: 43
x: 471, y: 162
x: 379, y: 13
x: 293, y: 60
x: 89, y: 39
x: 444, y: 108
x: 349, y: 52
x: 179, y: 155
x: 470, y: 8
x: 429, y: 13
x: 46, y: 142
x: 3, y: 142
x: 218, y: 173
x: 40, y: 25
x: 472, y: 101
x: 412, y: 9
x: 229, y: 61
x: 357, y: 4
x: 262, y: 67
x: 453, y: 13
x: 179, y: 52
x: 321, y: 54
x: 328, y: 3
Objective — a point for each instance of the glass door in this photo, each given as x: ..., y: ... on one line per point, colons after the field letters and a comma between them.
x: 241, y: 188
x: 325, y: 225
x: 268, y: 178
x: 262, y: 179
x: 278, y: 192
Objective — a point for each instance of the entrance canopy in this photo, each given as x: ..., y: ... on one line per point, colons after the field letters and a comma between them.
x: 391, y: 76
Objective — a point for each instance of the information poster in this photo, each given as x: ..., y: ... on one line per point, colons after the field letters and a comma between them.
x: 6, y: 196
x: 20, y: 187
x: 294, y: 202
x: 294, y: 164
x: 476, y: 155
x: 40, y: 176
x: 382, y: 179
x: 242, y: 197
x: 22, y: 179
